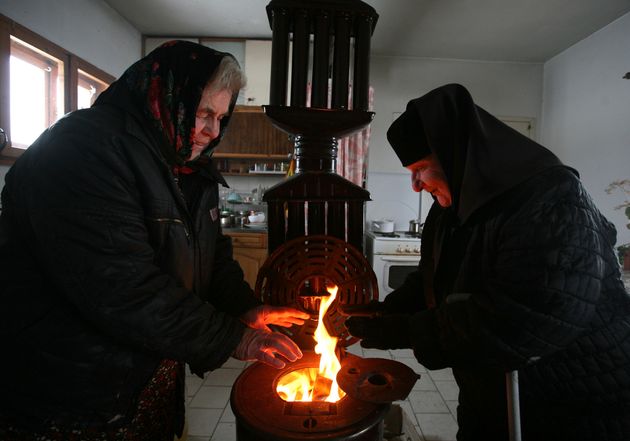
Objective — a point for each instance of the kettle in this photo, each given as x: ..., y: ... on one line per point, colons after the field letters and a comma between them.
x: 415, y: 227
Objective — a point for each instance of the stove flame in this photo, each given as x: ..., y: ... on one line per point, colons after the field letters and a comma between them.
x: 312, y: 384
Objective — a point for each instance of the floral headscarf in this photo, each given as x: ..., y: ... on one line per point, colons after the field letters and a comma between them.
x: 167, y: 85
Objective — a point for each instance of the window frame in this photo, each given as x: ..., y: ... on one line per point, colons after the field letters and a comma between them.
x: 72, y: 64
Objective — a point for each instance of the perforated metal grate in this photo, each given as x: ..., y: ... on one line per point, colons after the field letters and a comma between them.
x: 297, y: 273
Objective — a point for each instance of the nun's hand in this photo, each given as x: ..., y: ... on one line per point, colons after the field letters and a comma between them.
x: 386, y: 332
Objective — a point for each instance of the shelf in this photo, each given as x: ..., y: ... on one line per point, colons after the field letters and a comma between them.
x: 268, y: 173
x: 264, y: 156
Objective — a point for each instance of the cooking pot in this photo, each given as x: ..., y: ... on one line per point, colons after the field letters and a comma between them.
x: 227, y: 219
x: 415, y: 227
x: 383, y: 226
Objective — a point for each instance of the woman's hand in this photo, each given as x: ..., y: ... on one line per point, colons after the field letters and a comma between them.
x: 267, y: 347
x: 264, y: 315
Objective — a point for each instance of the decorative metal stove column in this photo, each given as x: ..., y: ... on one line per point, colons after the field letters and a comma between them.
x: 316, y: 200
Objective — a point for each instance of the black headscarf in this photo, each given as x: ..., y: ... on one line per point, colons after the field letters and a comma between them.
x: 481, y: 156
x: 166, y: 87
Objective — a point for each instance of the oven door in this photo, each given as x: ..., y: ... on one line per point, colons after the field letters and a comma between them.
x: 392, y: 270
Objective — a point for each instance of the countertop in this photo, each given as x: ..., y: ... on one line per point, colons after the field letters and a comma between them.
x: 244, y: 230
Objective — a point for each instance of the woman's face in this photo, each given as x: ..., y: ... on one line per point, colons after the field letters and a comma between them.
x: 213, y: 107
x: 427, y: 175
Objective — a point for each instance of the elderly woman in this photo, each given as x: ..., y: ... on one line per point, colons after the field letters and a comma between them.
x: 518, y: 271
x: 114, y: 270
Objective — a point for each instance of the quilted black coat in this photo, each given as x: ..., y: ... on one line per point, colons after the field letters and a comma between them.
x: 107, y: 267
x: 520, y: 274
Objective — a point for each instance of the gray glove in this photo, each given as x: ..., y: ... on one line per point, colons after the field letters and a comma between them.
x: 266, y: 346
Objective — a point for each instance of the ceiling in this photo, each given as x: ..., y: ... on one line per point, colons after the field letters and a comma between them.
x: 492, y: 30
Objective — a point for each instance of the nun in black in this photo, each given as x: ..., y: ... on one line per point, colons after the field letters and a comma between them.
x: 518, y: 271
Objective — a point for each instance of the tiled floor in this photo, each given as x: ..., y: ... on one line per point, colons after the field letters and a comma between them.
x: 430, y: 405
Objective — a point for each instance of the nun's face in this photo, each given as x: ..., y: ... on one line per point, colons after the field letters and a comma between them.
x: 427, y: 175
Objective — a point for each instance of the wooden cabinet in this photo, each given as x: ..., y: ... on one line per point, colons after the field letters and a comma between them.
x: 250, y: 132
x: 252, y: 145
x: 250, y: 250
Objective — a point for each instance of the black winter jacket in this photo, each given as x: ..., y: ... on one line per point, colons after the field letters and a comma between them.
x: 107, y: 267
x: 529, y: 282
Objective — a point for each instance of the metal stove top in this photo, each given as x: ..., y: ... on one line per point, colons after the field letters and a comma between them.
x: 396, y: 235
x: 396, y: 243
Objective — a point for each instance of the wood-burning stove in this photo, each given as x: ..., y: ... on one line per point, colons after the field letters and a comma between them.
x: 315, y: 228
x: 261, y: 415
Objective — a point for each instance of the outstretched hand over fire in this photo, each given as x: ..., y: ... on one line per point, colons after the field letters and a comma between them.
x: 264, y: 315
x: 267, y: 347
x: 386, y: 332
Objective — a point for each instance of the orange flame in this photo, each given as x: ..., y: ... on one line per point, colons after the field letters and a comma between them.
x: 311, y: 384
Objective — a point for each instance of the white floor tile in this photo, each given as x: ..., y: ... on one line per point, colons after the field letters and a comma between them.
x: 376, y: 353
x: 442, y: 374
x: 355, y: 349
x: 401, y: 353
x: 233, y: 363
x: 222, y: 377
x: 202, y: 422
x: 427, y: 402
x: 215, y: 397
x: 448, y: 389
x: 193, y: 383
x: 424, y: 383
x: 419, y: 432
x: 413, y: 365
x: 452, y: 405
x: 228, y: 415
x: 406, y: 407
x: 224, y: 432
x: 437, y: 427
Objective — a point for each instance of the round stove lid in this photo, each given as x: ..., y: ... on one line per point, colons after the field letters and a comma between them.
x: 375, y: 380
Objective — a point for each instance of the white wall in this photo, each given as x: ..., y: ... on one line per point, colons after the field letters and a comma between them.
x: 586, y: 113
x: 90, y: 29
x: 503, y: 89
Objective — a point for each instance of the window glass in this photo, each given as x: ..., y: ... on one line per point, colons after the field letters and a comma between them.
x: 89, y: 87
x: 36, y: 92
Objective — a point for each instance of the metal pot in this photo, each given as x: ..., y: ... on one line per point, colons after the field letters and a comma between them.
x: 383, y: 226
x: 227, y: 220
x: 415, y: 227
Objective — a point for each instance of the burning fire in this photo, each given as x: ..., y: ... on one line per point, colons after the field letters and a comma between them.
x: 313, y: 384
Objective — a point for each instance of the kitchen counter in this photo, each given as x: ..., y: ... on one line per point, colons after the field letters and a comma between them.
x: 249, y: 249
x: 229, y: 230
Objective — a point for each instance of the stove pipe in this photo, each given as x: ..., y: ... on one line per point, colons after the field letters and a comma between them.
x: 316, y: 200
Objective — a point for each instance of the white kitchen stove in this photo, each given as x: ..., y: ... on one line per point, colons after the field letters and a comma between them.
x: 392, y: 256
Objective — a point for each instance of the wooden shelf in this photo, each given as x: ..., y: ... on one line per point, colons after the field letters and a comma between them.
x: 280, y: 173
x: 251, y: 134
x: 262, y: 156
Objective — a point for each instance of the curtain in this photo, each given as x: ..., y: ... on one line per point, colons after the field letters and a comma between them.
x: 352, y: 154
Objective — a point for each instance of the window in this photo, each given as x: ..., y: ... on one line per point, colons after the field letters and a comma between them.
x: 39, y: 83
x: 36, y: 92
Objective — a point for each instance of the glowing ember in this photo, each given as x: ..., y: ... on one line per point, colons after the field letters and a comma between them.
x: 313, y: 384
